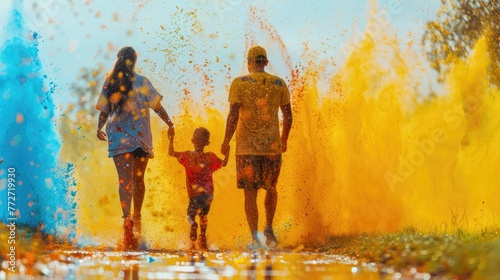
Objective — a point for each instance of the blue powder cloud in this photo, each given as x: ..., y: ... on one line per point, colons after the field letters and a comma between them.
x: 28, y: 136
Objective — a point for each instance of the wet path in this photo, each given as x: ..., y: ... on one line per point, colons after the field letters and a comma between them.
x: 204, y: 265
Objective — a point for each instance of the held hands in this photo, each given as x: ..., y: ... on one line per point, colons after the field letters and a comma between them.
x: 171, y: 132
x: 225, y: 148
x: 102, y: 135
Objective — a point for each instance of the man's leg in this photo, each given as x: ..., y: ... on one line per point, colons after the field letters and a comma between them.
x: 271, y: 172
x: 246, y: 177
x: 251, y: 211
x: 270, y: 203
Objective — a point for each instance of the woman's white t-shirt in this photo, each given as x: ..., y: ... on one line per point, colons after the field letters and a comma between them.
x: 130, y: 129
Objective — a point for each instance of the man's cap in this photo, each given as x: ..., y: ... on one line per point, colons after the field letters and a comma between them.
x: 256, y: 52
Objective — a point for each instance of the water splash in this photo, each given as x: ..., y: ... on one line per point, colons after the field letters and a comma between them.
x: 29, y: 140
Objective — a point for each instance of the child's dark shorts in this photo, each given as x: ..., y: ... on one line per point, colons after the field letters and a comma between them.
x: 254, y: 172
x: 200, y: 204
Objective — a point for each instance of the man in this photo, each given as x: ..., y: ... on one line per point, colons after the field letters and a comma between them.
x: 255, y: 100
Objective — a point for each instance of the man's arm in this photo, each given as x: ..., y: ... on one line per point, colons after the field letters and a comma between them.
x: 286, y: 110
x: 231, y: 123
x: 103, y: 117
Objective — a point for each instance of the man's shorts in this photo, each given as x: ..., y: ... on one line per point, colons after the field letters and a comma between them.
x: 254, y: 172
x: 200, y: 204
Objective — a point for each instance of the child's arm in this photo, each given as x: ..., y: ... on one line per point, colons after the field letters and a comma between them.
x: 171, y: 151
x: 226, y: 157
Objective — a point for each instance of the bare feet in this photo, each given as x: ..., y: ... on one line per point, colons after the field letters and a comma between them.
x: 202, y: 242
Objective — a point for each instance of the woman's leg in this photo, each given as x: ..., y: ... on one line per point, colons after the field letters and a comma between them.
x: 140, y: 164
x: 124, y: 166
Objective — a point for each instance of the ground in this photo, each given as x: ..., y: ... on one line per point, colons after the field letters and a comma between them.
x: 409, y: 254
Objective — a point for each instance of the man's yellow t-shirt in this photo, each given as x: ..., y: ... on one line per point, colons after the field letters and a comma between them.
x: 260, y: 95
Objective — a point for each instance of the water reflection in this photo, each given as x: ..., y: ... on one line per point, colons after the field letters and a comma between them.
x: 131, y: 272
x: 130, y: 268
x: 269, y: 268
x: 252, y: 270
x: 211, y: 265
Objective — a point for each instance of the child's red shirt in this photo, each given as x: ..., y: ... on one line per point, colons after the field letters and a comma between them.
x: 199, y: 170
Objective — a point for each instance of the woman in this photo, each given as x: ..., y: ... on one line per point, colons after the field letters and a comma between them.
x: 124, y: 104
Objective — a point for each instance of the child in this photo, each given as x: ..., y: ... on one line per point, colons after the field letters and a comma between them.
x: 199, y: 168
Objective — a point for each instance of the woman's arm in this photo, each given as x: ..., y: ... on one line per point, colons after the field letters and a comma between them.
x: 162, y: 113
x: 103, y: 117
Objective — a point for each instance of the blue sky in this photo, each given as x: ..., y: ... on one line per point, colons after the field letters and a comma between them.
x: 76, y: 34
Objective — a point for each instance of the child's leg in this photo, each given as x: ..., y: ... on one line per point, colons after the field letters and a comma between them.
x: 202, y: 241
x: 191, y: 219
x: 203, y: 224
x: 204, y: 212
x: 194, y: 227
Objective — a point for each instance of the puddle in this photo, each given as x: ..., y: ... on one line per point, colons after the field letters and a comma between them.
x: 203, y: 265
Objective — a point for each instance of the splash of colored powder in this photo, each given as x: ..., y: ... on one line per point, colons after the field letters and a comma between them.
x: 365, y: 155
x: 29, y: 140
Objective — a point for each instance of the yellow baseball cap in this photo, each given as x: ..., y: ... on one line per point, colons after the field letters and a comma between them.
x: 256, y: 52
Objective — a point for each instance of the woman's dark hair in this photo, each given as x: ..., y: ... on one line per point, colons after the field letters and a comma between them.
x: 121, y: 79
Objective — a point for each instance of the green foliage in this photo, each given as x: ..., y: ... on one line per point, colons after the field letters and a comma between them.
x: 459, y: 24
x: 459, y: 255
x: 85, y: 91
x: 78, y: 124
